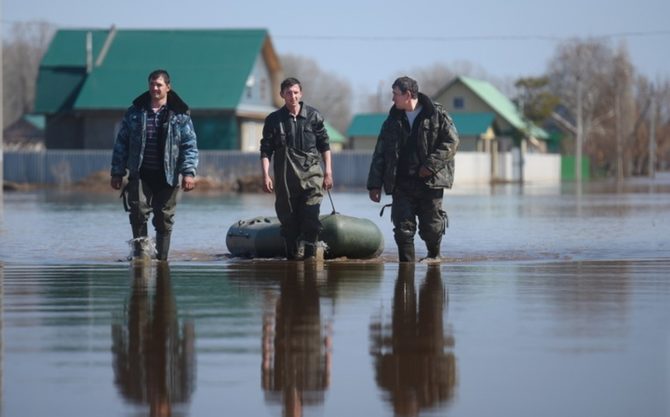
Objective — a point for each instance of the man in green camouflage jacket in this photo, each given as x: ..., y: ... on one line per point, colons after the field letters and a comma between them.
x: 414, y: 162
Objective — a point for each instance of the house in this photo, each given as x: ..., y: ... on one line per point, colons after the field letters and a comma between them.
x: 88, y: 78
x: 465, y: 95
x: 336, y: 139
x: 364, y: 129
x: 26, y: 133
x: 475, y: 130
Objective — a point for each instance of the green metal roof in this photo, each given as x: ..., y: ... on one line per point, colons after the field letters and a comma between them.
x: 334, y: 135
x: 467, y: 124
x: 501, y: 105
x: 366, y: 124
x: 57, y: 88
x: 36, y: 120
x: 208, y: 68
x: 473, y: 124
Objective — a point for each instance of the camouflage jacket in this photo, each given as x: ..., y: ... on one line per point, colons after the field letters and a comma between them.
x: 437, y: 141
x: 180, y: 151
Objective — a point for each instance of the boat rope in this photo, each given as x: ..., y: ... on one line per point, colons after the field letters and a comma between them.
x: 381, y: 212
x: 331, y: 202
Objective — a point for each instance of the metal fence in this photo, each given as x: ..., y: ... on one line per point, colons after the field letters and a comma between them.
x: 350, y: 168
x: 64, y: 167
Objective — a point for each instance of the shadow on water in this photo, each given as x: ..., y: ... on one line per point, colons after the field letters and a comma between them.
x: 153, y: 355
x: 413, y: 358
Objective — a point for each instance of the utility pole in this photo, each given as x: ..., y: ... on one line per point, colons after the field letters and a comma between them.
x: 580, y: 133
x: 2, y: 122
x: 619, y: 137
x: 652, y: 135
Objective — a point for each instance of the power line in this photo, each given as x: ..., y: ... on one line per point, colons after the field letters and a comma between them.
x: 455, y: 38
x: 553, y: 38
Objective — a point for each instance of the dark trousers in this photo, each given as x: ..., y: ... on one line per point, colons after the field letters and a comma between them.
x: 151, y: 194
x: 413, y: 199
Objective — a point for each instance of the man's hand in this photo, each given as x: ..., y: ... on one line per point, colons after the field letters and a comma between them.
x: 116, y: 182
x: 375, y: 194
x: 187, y: 183
x: 268, y: 187
x: 424, y: 172
x: 327, y: 181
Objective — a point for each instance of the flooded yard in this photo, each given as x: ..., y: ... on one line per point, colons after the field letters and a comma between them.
x: 550, y: 301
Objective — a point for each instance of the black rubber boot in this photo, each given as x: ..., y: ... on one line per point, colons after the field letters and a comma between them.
x: 139, y: 236
x: 433, y: 250
x: 310, y: 250
x: 406, y: 252
x: 292, y: 249
x: 162, y: 246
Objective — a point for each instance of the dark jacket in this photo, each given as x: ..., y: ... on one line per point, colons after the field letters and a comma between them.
x: 310, y: 135
x: 180, y: 154
x: 437, y: 141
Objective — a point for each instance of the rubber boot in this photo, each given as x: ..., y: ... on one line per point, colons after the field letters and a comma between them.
x: 139, y: 236
x: 162, y: 246
x: 406, y: 252
x: 292, y: 249
x: 310, y: 250
x: 433, y: 250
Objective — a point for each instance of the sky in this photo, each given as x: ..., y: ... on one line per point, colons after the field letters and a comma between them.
x: 370, y: 42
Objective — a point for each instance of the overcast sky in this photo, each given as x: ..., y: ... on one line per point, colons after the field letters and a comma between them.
x: 369, y: 41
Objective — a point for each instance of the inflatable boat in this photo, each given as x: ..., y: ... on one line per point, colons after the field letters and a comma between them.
x: 343, y: 236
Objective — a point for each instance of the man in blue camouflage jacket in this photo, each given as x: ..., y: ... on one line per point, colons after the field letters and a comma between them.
x: 155, y: 145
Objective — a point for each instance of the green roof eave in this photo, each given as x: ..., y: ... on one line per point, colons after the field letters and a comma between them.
x: 209, y: 71
x: 472, y: 124
x: 467, y: 124
x: 334, y: 135
x: 366, y: 124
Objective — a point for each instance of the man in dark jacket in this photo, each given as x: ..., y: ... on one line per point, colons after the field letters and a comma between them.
x: 414, y: 161
x: 155, y: 145
x: 296, y: 136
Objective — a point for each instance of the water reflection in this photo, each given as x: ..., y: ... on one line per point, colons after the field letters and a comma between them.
x: 412, y: 363
x: 153, y: 356
x: 296, y: 346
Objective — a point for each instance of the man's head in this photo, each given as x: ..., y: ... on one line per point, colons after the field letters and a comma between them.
x: 159, y: 86
x: 291, y: 91
x: 405, y: 89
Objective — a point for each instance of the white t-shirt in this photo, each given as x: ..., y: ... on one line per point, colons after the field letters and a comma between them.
x: 411, y: 115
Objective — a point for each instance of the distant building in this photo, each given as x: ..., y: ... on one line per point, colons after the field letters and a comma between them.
x: 27, y: 133
x: 88, y: 78
x: 466, y: 95
x: 475, y: 130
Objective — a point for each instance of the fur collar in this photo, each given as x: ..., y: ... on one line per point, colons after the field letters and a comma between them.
x: 174, y: 102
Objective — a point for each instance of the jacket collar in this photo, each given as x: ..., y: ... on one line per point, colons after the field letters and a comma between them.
x: 302, y: 113
x: 424, y: 101
x: 174, y: 102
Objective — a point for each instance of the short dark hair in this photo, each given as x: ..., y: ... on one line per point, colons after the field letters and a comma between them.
x: 288, y: 83
x: 159, y: 73
x: 405, y: 84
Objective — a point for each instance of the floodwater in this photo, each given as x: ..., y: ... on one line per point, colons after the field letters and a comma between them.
x: 550, y: 302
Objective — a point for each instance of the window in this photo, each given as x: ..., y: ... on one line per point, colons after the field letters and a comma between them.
x: 263, y: 88
x: 459, y: 103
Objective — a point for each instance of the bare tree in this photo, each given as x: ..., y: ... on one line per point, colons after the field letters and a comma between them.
x: 23, y: 49
x: 661, y: 116
x: 586, y: 66
x: 431, y: 80
x: 535, y: 99
x: 326, y: 91
x: 652, y: 102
